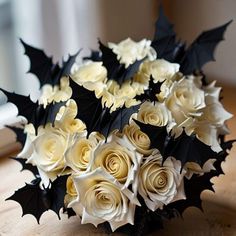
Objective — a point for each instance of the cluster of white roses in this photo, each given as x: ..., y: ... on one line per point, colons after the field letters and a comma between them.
x: 107, y: 176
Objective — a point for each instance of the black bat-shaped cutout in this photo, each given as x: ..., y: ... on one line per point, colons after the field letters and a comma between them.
x: 43, y: 67
x: 201, y: 183
x: 27, y: 166
x: 202, y: 49
x: 164, y: 41
x: 95, y: 117
x: 116, y: 70
x: 157, y: 135
x: 35, y: 201
x: 94, y: 56
x: 151, y: 92
x: 33, y: 112
x: 188, y: 149
x: 20, y: 134
x: 196, y: 55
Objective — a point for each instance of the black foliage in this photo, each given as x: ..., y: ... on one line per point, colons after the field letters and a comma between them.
x: 151, y: 92
x: 27, y: 166
x: 157, y: 135
x: 97, y: 118
x: 94, y: 56
x: 116, y: 70
x: 35, y: 200
x: 192, y: 58
x: 32, y: 111
x: 43, y: 67
x: 188, y: 149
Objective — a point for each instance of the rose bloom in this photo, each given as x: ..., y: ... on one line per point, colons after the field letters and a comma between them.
x: 78, y: 156
x: 161, y: 69
x: 102, y: 199
x: 139, y: 139
x: 154, y: 114
x: 129, y: 51
x: 66, y: 120
x: 55, y: 93
x: 185, y: 101
x: 160, y: 184
x: 49, y: 149
x: 120, y: 159
x: 71, y: 193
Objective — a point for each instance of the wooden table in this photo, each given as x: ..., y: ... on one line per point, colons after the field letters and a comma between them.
x: 219, y: 216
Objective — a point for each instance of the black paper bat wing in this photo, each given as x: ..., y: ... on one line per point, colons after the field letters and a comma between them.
x: 202, y: 49
x: 164, y: 41
x: 27, y: 166
x: 33, y: 112
x: 115, y: 70
x: 200, y: 183
x: 32, y: 198
x: 94, y: 56
x: 57, y: 193
x: 20, y: 135
x: 89, y: 107
x: 157, y: 135
x: 115, y: 120
x: 40, y: 64
x: 43, y: 67
x: 189, y: 149
x: 151, y: 92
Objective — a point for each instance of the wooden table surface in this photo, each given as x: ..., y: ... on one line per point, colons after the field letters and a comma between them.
x: 219, y: 217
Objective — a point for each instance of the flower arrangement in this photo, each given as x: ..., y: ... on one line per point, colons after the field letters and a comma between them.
x: 130, y: 136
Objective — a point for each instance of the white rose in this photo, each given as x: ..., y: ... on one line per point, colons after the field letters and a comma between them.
x: 205, y: 132
x: 55, y: 93
x: 162, y: 70
x: 78, y: 156
x: 160, y: 185
x: 139, y: 139
x: 129, y: 51
x: 49, y: 149
x: 155, y: 114
x: 185, y: 100
x: 66, y: 121
x: 120, y: 159
x: 92, y: 76
x: 102, y: 199
x: 71, y: 193
x: 214, y: 112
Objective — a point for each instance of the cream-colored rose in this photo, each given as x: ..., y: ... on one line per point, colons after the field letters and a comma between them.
x: 102, y: 199
x: 92, y: 76
x: 139, y: 139
x: 55, y: 93
x: 205, y: 132
x: 160, y: 185
x: 49, y: 149
x: 186, y: 100
x: 118, y: 158
x: 129, y: 51
x: 79, y: 154
x: 154, y: 114
x: 66, y: 121
x: 162, y: 70
x: 214, y: 112
x: 194, y: 168
x: 71, y: 193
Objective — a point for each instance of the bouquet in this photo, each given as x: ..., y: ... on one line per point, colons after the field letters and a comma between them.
x: 129, y: 137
